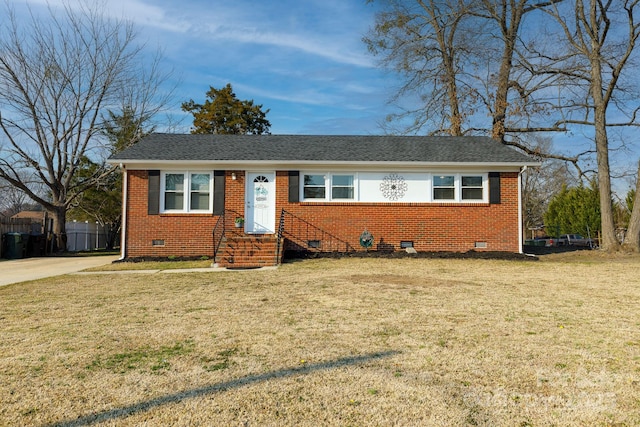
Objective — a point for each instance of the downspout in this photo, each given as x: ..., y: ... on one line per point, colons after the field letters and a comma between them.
x: 520, y: 224
x: 123, y: 229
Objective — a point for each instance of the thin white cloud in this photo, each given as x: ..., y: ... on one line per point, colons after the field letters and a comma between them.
x: 135, y: 11
x: 325, y: 48
x: 303, y: 60
x: 148, y: 15
x: 214, y: 24
x: 307, y: 97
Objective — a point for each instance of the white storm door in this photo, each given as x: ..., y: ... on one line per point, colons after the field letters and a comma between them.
x: 260, y: 209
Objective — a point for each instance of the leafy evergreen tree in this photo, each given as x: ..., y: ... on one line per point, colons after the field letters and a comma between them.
x: 631, y: 195
x: 125, y: 129
x: 224, y: 113
x: 574, y: 210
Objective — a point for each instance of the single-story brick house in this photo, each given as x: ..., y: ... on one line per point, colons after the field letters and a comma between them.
x: 183, y: 194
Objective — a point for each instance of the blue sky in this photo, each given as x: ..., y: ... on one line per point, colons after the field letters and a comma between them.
x: 302, y: 59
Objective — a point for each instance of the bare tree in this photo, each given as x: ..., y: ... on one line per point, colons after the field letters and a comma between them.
x: 461, y: 58
x: 426, y: 41
x: 59, y: 73
x: 12, y: 199
x: 599, y: 38
x: 528, y: 81
x: 513, y: 88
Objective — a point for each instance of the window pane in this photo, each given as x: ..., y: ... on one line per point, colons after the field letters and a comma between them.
x: 343, y: 180
x: 200, y: 182
x: 174, y: 182
x: 314, y: 193
x: 472, y: 194
x: 342, y: 187
x: 443, y: 193
x: 173, y: 201
x: 472, y: 181
x: 314, y: 180
x: 342, y: 192
x: 443, y: 181
x: 200, y: 201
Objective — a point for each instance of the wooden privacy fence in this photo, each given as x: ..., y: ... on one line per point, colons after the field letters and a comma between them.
x: 17, y: 225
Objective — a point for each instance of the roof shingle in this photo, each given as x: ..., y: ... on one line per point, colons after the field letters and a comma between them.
x: 320, y: 148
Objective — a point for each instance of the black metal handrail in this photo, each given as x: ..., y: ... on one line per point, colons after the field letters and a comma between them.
x: 279, y: 236
x: 301, y: 233
x: 218, y: 235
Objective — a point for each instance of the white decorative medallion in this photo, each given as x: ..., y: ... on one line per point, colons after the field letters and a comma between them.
x: 393, y: 187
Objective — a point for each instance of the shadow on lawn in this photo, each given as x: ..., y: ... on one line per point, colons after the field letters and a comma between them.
x: 112, y: 414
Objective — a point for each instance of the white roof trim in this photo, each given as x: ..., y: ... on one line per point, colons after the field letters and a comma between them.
x: 289, y: 164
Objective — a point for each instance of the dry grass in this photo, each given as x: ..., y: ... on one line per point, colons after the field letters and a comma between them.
x: 329, y: 342
x: 152, y: 265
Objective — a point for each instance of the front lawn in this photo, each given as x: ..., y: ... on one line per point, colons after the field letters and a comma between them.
x: 329, y: 342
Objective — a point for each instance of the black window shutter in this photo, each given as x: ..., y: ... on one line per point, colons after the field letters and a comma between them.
x: 294, y: 186
x: 153, y: 207
x: 494, y: 188
x: 218, y: 192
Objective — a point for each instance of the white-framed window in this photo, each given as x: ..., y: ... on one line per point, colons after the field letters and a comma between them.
x: 410, y: 187
x: 186, y: 191
x: 342, y: 187
x: 173, y: 194
x: 314, y: 186
x: 444, y: 188
x: 472, y: 188
x: 328, y: 186
x: 460, y: 187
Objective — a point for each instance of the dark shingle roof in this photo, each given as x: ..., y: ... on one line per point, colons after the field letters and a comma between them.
x: 318, y: 148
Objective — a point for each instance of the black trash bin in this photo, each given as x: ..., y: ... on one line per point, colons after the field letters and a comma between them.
x: 15, y: 245
x: 36, y: 245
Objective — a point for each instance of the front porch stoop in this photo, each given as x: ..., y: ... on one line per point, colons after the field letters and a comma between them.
x: 248, y: 251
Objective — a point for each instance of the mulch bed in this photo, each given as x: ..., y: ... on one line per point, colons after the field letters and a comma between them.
x: 297, y: 255
x: 402, y: 254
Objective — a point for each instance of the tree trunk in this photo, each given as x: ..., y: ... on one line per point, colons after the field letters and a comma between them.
x: 455, y: 120
x: 501, y: 104
x: 632, y: 239
x: 59, y: 215
x: 509, y: 21
x: 113, y: 230
x: 608, y: 242
x: 445, y: 36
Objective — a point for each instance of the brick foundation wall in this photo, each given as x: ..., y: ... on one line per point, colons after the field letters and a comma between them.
x: 431, y: 226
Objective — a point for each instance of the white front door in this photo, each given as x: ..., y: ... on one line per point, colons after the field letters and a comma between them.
x: 260, y: 209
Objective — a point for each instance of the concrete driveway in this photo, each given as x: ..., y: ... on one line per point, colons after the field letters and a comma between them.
x: 22, y: 270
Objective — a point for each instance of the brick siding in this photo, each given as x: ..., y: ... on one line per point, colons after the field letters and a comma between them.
x: 431, y: 226
x: 183, y: 234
